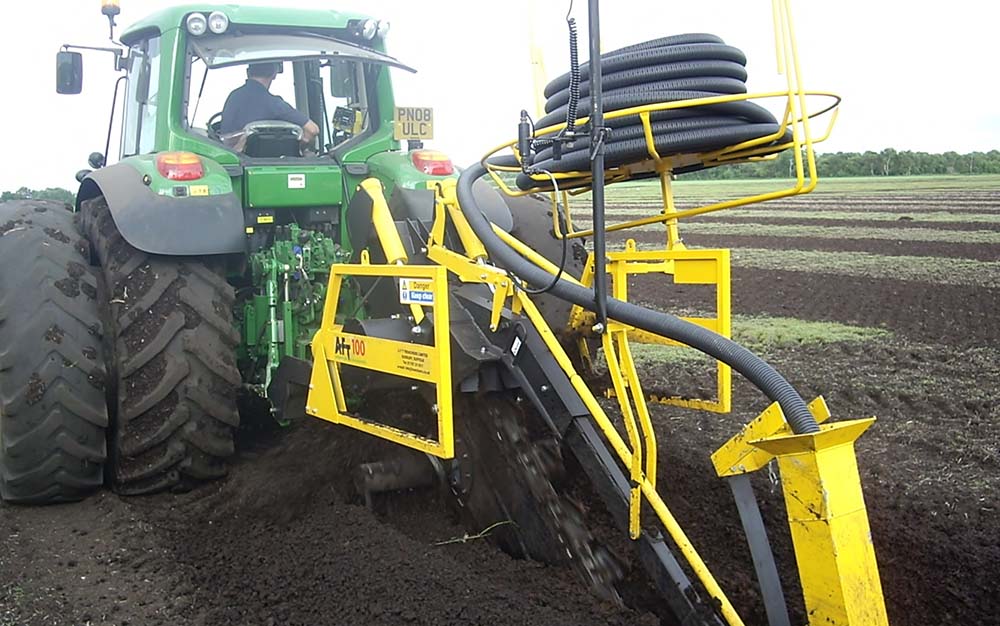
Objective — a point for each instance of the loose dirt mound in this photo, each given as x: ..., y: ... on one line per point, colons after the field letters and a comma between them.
x: 276, y: 543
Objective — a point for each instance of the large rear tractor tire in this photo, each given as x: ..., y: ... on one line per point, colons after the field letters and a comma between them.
x: 171, y: 356
x: 52, y: 376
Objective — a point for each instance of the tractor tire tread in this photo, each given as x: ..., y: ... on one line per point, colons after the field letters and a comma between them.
x: 173, y: 342
x: 53, y: 412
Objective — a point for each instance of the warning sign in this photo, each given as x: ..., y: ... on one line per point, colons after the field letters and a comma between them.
x: 416, y: 291
x: 413, y: 123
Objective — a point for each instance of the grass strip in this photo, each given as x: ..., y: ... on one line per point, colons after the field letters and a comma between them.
x: 949, y: 271
x: 760, y: 334
x: 986, y: 237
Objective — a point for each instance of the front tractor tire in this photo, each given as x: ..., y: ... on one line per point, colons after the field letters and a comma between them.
x: 52, y: 376
x: 172, y: 361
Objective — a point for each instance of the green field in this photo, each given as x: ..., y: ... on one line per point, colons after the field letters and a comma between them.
x: 761, y: 334
x: 986, y: 237
x: 649, y: 190
x: 860, y: 216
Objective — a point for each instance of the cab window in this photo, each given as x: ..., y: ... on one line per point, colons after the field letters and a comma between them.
x: 141, y: 98
x: 330, y: 92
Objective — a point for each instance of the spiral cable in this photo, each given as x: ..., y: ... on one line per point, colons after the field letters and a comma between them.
x: 574, y: 77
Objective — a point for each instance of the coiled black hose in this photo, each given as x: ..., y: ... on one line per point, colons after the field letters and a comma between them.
x: 669, y: 69
x: 574, y: 77
x: 755, y: 369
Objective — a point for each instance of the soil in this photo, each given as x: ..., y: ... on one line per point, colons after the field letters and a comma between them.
x: 883, y: 247
x: 283, y: 540
x: 276, y: 543
x: 952, y: 315
x: 753, y: 221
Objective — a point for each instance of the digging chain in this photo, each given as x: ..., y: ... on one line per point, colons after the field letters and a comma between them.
x: 535, y: 464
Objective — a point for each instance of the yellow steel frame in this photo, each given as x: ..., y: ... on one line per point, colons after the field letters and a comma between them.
x: 629, y: 454
x: 688, y: 267
x: 334, y: 349
x: 826, y: 510
x: 326, y: 401
x: 819, y: 471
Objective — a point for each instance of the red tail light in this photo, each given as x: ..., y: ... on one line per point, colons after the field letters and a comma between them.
x: 179, y: 165
x: 432, y: 162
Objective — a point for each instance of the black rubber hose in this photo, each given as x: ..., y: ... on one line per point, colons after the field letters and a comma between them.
x: 621, y: 151
x: 670, y: 40
x: 633, y: 131
x: 755, y: 369
x: 654, y: 56
x: 653, y: 73
x: 751, y: 111
x: 710, y: 84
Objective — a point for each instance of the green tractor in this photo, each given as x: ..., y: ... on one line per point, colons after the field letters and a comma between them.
x: 194, y: 268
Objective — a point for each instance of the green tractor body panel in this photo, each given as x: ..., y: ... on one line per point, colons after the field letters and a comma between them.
x: 173, y: 18
x: 161, y: 216
x: 396, y: 169
x: 282, y: 186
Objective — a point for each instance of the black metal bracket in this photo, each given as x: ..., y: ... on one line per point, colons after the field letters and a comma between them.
x: 597, y: 145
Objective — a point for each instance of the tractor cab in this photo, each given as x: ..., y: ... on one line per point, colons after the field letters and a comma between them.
x: 327, y: 82
x: 179, y: 67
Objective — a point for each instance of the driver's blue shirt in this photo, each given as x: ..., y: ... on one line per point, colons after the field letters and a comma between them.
x: 253, y: 102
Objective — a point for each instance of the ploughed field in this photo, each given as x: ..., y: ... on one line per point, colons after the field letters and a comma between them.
x: 881, y: 295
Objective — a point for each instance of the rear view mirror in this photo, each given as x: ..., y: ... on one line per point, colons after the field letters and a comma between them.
x: 69, y: 72
x: 341, y: 79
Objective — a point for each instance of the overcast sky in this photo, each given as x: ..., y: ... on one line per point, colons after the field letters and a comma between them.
x: 914, y: 74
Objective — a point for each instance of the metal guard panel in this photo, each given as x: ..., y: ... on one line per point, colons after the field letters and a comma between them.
x: 167, y: 225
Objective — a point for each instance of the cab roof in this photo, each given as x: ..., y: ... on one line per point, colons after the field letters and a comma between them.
x: 173, y: 17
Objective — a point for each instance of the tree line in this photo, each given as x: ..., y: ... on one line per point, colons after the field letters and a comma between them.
x: 50, y: 193
x: 888, y: 162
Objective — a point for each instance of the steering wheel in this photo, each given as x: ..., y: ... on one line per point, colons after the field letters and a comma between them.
x: 214, y: 125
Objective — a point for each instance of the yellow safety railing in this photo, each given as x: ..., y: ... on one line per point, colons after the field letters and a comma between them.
x: 797, y: 116
x: 686, y: 267
x: 630, y: 454
x: 334, y: 349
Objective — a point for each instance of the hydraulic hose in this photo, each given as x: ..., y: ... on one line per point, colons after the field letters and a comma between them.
x: 755, y: 369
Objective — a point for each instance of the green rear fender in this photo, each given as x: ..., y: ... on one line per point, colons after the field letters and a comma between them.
x: 161, y: 216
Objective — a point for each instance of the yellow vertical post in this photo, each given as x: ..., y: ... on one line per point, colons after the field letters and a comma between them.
x: 829, y: 524
x: 537, y: 59
x: 673, y: 233
x: 723, y: 313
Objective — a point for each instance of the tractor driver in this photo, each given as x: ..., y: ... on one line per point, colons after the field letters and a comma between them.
x: 254, y: 102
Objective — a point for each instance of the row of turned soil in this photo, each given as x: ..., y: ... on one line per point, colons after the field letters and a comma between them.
x: 958, y: 315
x: 886, y: 247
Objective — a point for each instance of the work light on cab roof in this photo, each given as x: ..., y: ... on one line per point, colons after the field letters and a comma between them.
x: 198, y: 24
x: 218, y: 22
